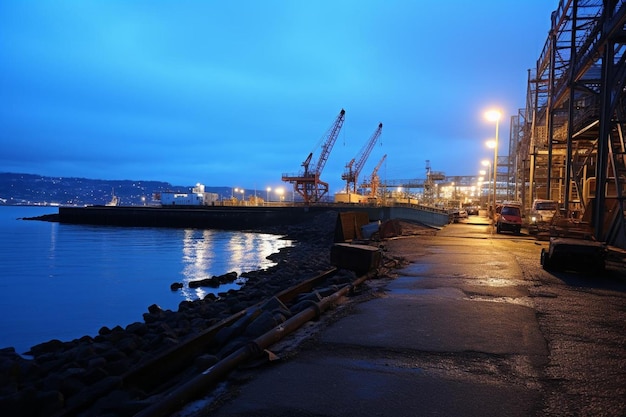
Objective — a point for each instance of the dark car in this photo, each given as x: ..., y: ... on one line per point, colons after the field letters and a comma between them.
x: 508, y: 218
x: 472, y: 211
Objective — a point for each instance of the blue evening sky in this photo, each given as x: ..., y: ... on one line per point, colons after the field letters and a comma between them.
x: 236, y: 93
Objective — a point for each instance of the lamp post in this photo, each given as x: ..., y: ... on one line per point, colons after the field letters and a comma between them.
x: 481, y: 182
x: 487, y: 163
x: 494, y: 116
x: 268, y: 189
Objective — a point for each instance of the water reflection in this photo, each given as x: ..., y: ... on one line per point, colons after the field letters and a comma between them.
x: 53, y: 248
x: 197, y: 260
x: 84, y: 277
x: 206, y: 250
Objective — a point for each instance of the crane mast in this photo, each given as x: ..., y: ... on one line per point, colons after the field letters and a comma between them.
x: 331, y: 138
x: 308, y: 184
x: 352, y: 175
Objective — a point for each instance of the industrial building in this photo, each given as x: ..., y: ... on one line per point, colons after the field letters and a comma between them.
x: 197, y: 197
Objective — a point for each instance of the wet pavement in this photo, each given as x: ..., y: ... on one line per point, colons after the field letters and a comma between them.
x: 473, y: 326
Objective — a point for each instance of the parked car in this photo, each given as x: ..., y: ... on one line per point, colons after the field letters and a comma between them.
x: 458, y: 214
x: 472, y: 211
x: 541, y: 214
x: 508, y: 218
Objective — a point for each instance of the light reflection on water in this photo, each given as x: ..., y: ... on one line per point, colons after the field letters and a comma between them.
x: 240, y: 252
x: 65, y: 281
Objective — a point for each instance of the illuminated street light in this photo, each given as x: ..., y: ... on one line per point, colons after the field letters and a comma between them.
x: 268, y: 189
x: 280, y: 192
x: 494, y: 116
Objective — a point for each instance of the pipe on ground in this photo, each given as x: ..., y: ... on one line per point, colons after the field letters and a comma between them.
x: 199, y: 384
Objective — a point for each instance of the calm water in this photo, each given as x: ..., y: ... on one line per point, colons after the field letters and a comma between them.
x: 62, y: 281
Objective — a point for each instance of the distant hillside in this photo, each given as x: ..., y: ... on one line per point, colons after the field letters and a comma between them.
x: 20, y: 189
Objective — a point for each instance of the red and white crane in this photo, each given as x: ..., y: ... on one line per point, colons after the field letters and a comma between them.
x: 308, y: 183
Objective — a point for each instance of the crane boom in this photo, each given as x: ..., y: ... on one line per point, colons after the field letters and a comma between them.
x: 375, y: 180
x: 352, y: 175
x: 365, y: 153
x: 375, y: 172
x: 331, y: 138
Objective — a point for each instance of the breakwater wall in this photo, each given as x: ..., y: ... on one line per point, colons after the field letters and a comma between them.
x: 235, y: 218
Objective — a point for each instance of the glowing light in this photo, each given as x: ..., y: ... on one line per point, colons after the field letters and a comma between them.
x: 493, y: 115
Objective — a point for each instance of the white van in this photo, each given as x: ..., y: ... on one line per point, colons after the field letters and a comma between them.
x: 541, y: 214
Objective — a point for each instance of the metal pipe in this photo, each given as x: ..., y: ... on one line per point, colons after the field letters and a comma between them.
x: 196, y: 386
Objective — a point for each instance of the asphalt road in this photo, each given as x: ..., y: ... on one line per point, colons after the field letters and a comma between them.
x: 473, y: 326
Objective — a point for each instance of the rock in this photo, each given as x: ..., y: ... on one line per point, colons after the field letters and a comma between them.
x: 227, y: 278
x: 212, y: 282
x: 71, y: 386
x: 210, y: 297
x: 265, y: 322
x: 118, y: 367
x: 137, y: 328
x: 155, y: 309
x: 46, y: 347
x: 128, y: 344
x: 96, y: 374
x: 104, y: 330
x: 96, y: 362
x: 50, y: 402
x: 186, y: 305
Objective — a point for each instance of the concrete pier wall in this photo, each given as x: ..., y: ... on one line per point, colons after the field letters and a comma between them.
x: 234, y: 218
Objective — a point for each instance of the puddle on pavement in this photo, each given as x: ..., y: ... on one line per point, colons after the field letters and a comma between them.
x: 414, y: 286
x: 415, y: 270
x: 523, y: 301
x: 384, y: 365
x: 493, y: 282
x: 413, y: 291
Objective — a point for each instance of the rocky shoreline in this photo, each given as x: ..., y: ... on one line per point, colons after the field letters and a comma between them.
x: 62, y: 372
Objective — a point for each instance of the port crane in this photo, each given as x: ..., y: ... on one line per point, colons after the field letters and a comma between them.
x: 375, y: 179
x: 351, y: 175
x: 308, y: 183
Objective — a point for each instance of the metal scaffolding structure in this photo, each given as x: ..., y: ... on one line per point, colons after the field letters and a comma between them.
x: 568, y: 142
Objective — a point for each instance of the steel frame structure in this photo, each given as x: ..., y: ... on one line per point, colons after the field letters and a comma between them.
x: 570, y: 136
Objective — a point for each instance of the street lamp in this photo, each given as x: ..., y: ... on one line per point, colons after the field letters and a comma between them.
x: 487, y: 163
x: 280, y: 192
x: 494, y: 116
x: 268, y: 189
